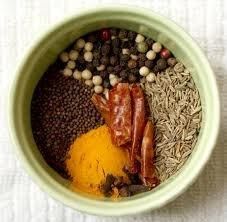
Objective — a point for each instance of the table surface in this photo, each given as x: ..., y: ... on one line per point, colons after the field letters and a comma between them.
x: 21, y: 21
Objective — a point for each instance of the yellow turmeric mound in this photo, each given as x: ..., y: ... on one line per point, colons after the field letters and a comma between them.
x: 91, y: 157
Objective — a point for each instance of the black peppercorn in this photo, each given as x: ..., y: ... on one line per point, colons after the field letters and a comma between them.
x: 124, y: 57
x: 131, y: 35
x: 141, y: 63
x: 113, y: 60
x: 105, y: 60
x: 123, y: 74
x: 132, y: 78
x: 149, y: 64
x: 125, y: 44
x: 132, y: 64
x: 142, y: 57
x: 135, y: 71
x: 81, y: 59
x: 106, y: 83
x: 96, y: 54
x: 133, y: 50
x: 123, y: 63
x: 97, y: 45
x: 92, y: 38
x: 123, y: 34
x: 105, y: 49
x: 117, y: 68
x: 113, y: 31
x: 161, y: 63
x: 116, y: 42
x: 155, y: 69
x: 116, y: 50
x: 80, y: 66
x: 95, y: 62
x: 103, y: 74
x: 172, y: 61
x: 90, y: 66
x: 109, y: 69
x: 149, y: 42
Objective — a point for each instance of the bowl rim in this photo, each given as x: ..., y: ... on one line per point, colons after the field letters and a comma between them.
x: 127, y: 207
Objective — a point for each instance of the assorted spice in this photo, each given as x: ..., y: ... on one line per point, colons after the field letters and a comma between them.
x: 116, y: 114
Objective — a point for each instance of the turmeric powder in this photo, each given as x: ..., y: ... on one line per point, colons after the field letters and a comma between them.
x: 91, y: 157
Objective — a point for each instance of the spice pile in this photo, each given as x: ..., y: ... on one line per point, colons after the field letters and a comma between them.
x: 177, y: 114
x: 104, y: 58
x: 116, y: 113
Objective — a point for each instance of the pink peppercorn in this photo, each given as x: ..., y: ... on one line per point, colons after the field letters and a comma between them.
x: 105, y: 34
x: 165, y: 53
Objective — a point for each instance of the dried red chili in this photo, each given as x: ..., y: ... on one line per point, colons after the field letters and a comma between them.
x: 102, y: 106
x: 138, y: 124
x: 147, y: 156
x: 120, y: 118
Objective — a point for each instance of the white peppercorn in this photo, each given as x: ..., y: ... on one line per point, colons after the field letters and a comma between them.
x: 101, y: 67
x: 142, y: 47
x: 64, y: 57
x: 67, y: 72
x: 97, y: 80
x: 88, y: 46
x: 151, y: 55
x: 77, y: 75
x: 88, y: 56
x: 134, y: 57
x: 139, y: 38
x: 80, y: 43
x: 111, y: 76
x: 71, y: 64
x: 88, y: 82
x: 98, y: 89
x: 144, y: 71
x: 114, y: 81
x: 73, y: 55
x: 86, y: 74
x: 150, y: 77
x: 157, y: 47
x: 125, y: 51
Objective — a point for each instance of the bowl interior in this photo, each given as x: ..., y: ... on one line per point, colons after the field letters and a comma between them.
x: 46, y: 51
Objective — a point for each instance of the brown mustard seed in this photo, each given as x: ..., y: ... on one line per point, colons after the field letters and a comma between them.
x: 61, y: 110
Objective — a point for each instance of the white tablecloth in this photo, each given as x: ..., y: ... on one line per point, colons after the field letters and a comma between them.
x: 21, y: 21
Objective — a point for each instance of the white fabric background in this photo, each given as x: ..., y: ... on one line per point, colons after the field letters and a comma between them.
x: 21, y: 21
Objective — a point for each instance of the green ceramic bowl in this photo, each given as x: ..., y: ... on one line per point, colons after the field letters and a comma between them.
x: 45, y: 51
